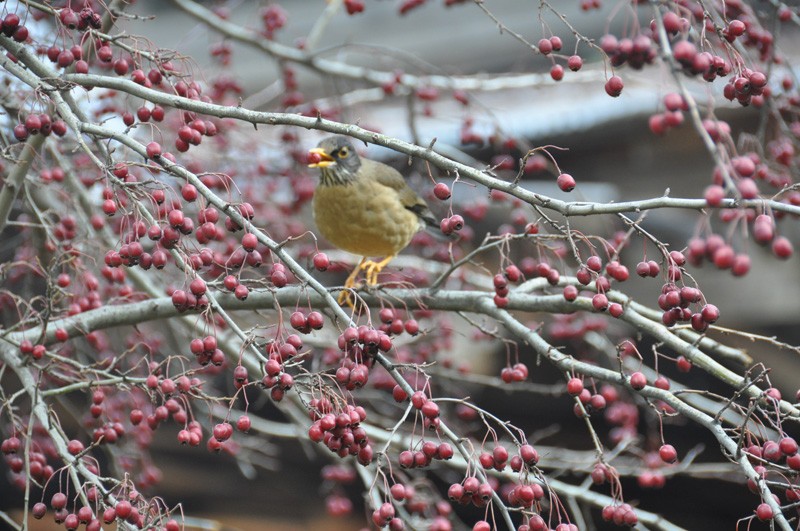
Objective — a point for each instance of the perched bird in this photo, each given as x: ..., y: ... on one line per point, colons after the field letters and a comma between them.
x: 364, y: 207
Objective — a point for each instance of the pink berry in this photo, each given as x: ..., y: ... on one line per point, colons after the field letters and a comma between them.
x: 594, y: 263
x: 566, y: 182
x: 600, y: 302
x: 788, y: 446
x: 441, y: 191
x: 545, y: 46
x: 638, y: 381
x: 570, y: 292
x: 20, y: 132
x: 668, y: 453
x: 764, y: 512
x: 243, y: 423
x: 782, y: 247
x: 575, y: 62
x: 614, y: 86
x: 574, y: 386
x: 321, y: 262
x: 153, y: 150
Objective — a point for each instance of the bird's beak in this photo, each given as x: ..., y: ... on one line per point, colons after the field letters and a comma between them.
x: 318, y: 158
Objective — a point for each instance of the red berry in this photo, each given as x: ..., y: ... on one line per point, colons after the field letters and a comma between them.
x: 74, y: 447
x: 249, y: 242
x: 243, y: 424
x: 782, y: 247
x: 455, y: 492
x: 321, y: 262
x: 710, y: 313
x: 566, y: 182
x: 153, y: 150
x: 21, y: 34
x: 315, y: 320
x: 499, y: 454
x: 545, y: 46
x: 121, y: 67
x: 763, y: 229
x: 735, y: 28
x: 788, y: 446
x: 594, y: 263
x: 20, y: 132
x: 430, y: 409
x: 574, y: 386
x: 575, y: 62
x: 157, y: 113
x: 68, y: 17
x: 471, y: 485
x: 614, y: 86
x: 65, y: 58
x: 353, y: 6
x: 33, y: 123
x: 529, y: 454
x: 123, y: 509
x: 197, y: 287
x: 513, y: 273
x: 298, y: 320
x: 10, y: 23
x: 638, y: 380
x: 570, y: 292
x: 764, y: 512
x: 109, y: 207
x: 600, y: 302
x: 399, y: 394
x: 668, y: 453
x: 189, y: 192
x: 222, y: 431
x: 39, y: 510
x: 441, y: 191
x: 398, y: 491
x: 486, y: 460
x: 444, y: 451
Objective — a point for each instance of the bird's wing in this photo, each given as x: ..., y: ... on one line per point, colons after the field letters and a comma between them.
x: 389, y: 177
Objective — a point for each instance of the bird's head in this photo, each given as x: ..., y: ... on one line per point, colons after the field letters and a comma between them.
x: 336, y: 158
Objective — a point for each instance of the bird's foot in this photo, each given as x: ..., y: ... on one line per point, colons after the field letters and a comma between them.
x: 373, y: 269
x: 346, y: 295
x: 346, y: 298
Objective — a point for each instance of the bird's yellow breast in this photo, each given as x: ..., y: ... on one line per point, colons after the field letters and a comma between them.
x: 364, y: 218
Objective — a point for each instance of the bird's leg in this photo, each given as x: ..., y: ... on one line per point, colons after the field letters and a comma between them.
x: 374, y: 268
x: 344, y: 296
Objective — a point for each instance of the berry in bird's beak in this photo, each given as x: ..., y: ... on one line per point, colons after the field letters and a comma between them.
x: 318, y: 158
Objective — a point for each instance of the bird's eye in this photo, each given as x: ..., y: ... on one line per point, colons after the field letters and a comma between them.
x: 343, y: 152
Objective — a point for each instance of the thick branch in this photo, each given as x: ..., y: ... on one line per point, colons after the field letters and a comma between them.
x: 566, y: 208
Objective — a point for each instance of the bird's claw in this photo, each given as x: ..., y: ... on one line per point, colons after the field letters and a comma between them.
x: 345, y: 297
x: 373, y: 269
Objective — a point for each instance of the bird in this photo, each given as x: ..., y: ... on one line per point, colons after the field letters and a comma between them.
x: 364, y: 207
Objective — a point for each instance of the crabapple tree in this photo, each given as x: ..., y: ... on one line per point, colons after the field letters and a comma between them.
x: 161, y: 277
